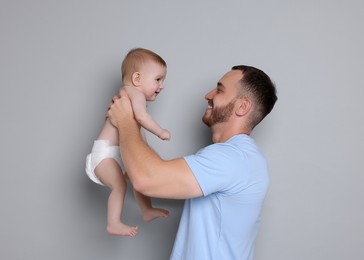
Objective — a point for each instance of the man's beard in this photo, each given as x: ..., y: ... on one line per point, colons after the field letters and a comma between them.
x: 219, y: 114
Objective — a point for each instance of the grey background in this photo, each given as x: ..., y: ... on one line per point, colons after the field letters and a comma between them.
x: 60, y: 65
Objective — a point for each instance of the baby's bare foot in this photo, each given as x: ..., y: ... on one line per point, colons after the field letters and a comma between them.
x: 120, y: 229
x: 154, y: 213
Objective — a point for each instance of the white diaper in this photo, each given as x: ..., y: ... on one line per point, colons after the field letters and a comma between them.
x: 101, y: 150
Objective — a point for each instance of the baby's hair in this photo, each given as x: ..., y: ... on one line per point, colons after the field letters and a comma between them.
x: 136, y: 58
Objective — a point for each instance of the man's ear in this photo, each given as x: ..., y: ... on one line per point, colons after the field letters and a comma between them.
x: 244, y: 106
x: 135, y: 78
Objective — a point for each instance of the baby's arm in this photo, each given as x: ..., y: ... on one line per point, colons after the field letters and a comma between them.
x: 142, y: 134
x: 139, y: 105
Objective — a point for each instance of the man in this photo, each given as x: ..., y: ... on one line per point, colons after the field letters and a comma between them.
x: 224, y: 184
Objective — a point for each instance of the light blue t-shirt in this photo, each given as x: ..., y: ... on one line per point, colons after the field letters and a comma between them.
x: 223, y: 223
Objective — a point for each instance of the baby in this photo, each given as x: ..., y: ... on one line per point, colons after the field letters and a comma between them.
x: 143, y: 74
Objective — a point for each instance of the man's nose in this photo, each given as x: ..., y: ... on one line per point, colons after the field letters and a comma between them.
x: 210, y: 95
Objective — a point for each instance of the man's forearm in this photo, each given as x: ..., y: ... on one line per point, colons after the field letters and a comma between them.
x: 138, y: 158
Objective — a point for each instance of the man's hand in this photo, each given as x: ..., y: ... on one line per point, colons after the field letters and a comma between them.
x: 120, y: 109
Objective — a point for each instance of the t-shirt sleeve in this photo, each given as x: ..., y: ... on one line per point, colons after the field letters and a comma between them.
x: 217, y: 167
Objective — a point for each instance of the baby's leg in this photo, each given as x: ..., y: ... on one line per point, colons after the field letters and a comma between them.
x: 149, y: 213
x: 109, y: 173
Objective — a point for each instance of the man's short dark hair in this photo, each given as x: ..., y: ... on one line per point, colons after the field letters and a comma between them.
x: 258, y: 86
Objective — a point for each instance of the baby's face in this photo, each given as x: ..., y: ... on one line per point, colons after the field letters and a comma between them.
x: 152, y: 77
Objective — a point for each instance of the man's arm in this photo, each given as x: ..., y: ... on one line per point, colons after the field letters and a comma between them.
x: 148, y: 173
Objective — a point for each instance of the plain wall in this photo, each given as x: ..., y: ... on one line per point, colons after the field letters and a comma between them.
x: 60, y: 66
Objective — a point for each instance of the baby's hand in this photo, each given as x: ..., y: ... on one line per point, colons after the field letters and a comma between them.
x: 165, y: 135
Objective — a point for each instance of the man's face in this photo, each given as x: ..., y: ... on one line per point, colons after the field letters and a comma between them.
x: 221, y: 100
